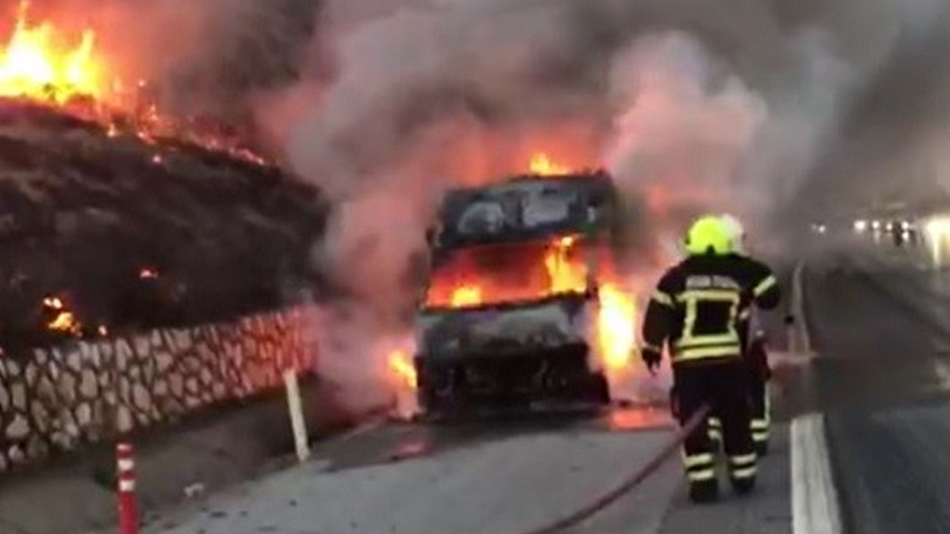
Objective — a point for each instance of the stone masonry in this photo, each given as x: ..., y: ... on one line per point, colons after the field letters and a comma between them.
x: 58, y: 399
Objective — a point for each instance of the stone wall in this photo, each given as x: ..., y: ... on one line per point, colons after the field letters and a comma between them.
x: 56, y: 400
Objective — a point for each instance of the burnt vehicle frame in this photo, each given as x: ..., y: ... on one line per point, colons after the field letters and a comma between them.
x: 552, y: 359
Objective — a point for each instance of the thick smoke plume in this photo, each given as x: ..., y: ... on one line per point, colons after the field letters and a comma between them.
x: 694, y: 106
x: 774, y: 110
x: 427, y: 96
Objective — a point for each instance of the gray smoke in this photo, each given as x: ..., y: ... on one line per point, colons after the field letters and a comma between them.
x: 694, y: 106
x: 776, y: 110
x: 766, y: 109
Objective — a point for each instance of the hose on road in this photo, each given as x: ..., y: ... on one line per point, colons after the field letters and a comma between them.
x: 629, y: 483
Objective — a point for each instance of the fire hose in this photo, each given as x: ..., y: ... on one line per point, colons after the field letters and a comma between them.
x: 628, y: 484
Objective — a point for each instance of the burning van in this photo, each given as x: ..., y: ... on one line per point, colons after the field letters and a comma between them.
x: 520, y: 307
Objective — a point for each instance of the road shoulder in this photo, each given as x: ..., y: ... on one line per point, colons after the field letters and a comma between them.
x: 767, y: 511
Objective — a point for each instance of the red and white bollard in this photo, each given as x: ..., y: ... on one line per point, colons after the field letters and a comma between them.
x: 128, y: 507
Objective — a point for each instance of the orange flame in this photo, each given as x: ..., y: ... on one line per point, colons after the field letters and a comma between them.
x: 466, y: 296
x: 63, y: 320
x: 523, y: 272
x: 541, y: 164
x: 33, y: 66
x: 616, y: 322
x: 567, y: 275
x: 402, y: 367
x: 40, y: 63
x: 509, y: 273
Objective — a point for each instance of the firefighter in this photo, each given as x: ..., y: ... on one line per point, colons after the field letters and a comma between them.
x: 694, y: 312
x: 756, y: 356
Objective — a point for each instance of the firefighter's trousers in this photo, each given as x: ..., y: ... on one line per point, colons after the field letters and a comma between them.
x: 761, y: 419
x: 720, y: 384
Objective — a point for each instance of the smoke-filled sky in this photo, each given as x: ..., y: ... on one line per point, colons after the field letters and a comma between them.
x: 750, y: 98
x: 750, y: 105
x: 753, y: 98
x: 747, y: 105
x: 775, y: 109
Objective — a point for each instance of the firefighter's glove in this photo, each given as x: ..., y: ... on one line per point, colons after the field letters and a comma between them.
x: 651, y: 357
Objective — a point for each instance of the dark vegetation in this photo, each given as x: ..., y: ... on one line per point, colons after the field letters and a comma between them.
x: 130, y: 234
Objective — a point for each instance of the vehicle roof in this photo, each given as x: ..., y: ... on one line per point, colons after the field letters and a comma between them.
x: 526, y: 208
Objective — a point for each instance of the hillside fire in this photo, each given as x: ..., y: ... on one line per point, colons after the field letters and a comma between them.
x: 59, y: 318
x: 34, y: 66
x: 40, y: 63
x: 99, y: 187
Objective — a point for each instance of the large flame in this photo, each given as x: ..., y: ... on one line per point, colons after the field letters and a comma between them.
x: 568, y: 275
x: 401, y: 366
x: 42, y: 63
x: 34, y: 65
x: 509, y: 273
x: 525, y: 271
x: 616, y: 322
x: 541, y: 164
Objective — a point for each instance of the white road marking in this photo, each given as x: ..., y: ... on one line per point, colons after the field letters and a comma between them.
x: 942, y: 370
x: 798, y: 311
x: 815, y: 508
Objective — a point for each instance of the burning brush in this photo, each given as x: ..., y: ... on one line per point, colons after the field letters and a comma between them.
x: 59, y: 318
x: 96, y: 178
x: 35, y: 66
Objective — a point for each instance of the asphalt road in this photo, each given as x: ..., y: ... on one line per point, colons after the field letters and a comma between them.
x: 511, y: 478
x: 881, y: 322
x: 493, y: 477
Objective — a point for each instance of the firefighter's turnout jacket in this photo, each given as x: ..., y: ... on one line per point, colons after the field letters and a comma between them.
x: 700, y: 307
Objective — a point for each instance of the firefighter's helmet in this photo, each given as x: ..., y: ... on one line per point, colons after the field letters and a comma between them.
x: 707, y: 235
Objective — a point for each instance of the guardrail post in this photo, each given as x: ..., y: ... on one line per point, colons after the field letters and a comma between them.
x: 128, y: 505
x: 295, y: 407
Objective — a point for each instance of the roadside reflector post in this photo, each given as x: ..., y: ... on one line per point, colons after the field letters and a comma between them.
x: 295, y: 408
x: 128, y: 506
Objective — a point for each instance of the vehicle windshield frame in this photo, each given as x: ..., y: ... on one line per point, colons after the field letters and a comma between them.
x: 584, y: 197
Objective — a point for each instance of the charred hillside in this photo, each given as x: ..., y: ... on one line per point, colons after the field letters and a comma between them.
x: 130, y: 232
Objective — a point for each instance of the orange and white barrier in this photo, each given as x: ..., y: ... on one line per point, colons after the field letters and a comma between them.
x: 128, y: 505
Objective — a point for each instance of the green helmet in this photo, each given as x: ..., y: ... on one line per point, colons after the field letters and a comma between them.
x: 708, y: 235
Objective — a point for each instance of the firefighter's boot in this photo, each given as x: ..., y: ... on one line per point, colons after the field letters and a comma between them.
x: 742, y: 471
x: 701, y: 473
